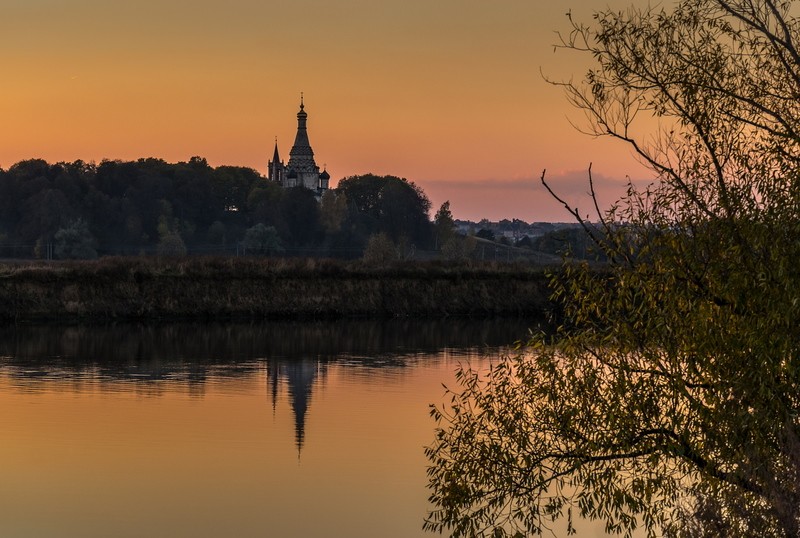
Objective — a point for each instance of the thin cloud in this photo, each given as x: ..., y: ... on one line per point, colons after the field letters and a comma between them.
x: 526, y: 198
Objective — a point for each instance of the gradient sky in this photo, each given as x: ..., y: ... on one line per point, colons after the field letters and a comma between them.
x: 447, y: 93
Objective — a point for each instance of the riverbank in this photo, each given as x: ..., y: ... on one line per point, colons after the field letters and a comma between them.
x: 114, y: 289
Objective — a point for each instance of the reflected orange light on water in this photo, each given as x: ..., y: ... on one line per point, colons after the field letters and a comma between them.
x: 205, y: 430
x: 98, y: 460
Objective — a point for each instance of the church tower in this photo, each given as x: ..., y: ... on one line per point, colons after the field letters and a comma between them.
x: 301, y: 170
x: 276, y: 167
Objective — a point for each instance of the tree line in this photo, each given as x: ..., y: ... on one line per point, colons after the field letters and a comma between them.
x: 82, y: 210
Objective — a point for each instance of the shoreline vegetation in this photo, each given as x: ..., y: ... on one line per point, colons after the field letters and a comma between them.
x: 216, y: 288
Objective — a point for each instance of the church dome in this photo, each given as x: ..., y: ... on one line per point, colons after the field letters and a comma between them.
x: 324, y: 175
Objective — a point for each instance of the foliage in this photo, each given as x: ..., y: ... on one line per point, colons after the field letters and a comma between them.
x: 171, y: 244
x: 458, y: 248
x: 122, y: 203
x: 525, y: 242
x: 262, y: 239
x: 129, y: 206
x: 265, y: 204
x: 43, y: 248
x: 217, y: 233
x: 444, y: 225
x: 485, y: 233
x: 257, y: 288
x: 669, y: 397
x: 300, y: 212
x: 75, y: 242
x: 388, y: 204
x: 231, y: 185
x: 380, y: 250
x: 333, y: 210
x: 573, y: 242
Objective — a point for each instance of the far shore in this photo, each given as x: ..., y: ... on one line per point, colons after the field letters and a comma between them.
x: 194, y: 288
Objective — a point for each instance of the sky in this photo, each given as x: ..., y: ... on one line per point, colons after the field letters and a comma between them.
x: 446, y: 93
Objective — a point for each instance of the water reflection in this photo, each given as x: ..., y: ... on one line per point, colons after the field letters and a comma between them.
x: 196, y: 430
x: 222, y: 343
x: 299, y: 375
x: 152, y: 359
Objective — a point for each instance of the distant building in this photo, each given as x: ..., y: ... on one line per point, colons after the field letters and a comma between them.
x: 301, y: 170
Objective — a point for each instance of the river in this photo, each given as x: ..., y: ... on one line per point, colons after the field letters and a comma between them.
x: 206, y: 430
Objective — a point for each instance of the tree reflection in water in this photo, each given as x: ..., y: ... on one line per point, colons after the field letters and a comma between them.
x: 150, y: 358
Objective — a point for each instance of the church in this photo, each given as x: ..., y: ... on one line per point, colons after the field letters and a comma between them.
x: 301, y: 170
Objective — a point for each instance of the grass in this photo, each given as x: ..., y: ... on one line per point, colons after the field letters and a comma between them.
x: 216, y: 287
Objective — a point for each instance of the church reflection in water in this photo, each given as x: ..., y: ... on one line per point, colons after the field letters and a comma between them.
x: 296, y: 357
x: 299, y: 376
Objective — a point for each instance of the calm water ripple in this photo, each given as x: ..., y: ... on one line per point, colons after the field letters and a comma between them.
x: 279, y: 429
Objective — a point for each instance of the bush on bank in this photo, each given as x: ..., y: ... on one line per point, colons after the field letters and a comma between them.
x: 189, y: 288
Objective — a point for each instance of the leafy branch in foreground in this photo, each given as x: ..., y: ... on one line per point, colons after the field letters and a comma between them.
x: 670, y: 397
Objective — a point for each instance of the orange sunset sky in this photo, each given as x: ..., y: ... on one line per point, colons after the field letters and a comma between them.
x: 447, y: 93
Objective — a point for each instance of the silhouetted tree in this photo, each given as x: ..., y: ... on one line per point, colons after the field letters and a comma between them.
x: 75, y: 242
x: 264, y: 204
x: 217, y: 233
x: 525, y: 242
x: 333, y: 210
x: 262, y: 239
x: 132, y: 206
x: 380, y: 250
x: 669, y: 397
x: 386, y: 204
x: 300, y: 211
x: 444, y: 225
x: 231, y: 186
x: 485, y: 233
x: 171, y: 244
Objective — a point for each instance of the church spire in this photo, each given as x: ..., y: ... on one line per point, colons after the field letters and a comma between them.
x: 276, y: 158
x: 301, y: 123
x: 275, y: 166
x: 301, y: 156
x: 301, y: 170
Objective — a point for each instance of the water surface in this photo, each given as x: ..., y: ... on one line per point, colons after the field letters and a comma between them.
x: 279, y: 429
